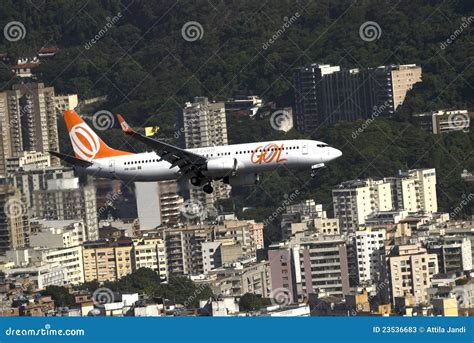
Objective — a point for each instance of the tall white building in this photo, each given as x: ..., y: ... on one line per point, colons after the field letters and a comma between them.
x: 205, y: 125
x: 354, y: 200
x: 370, y: 250
x: 415, y: 190
x: 70, y: 259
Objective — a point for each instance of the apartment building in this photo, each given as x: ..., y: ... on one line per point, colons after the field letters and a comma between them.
x: 358, y: 201
x: 28, y: 121
x: 65, y: 102
x: 415, y: 190
x: 69, y: 259
x: 184, y: 248
x: 410, y: 271
x: 247, y: 233
x: 31, y: 180
x: 107, y: 260
x: 370, y: 250
x: 454, y: 253
x: 58, y: 234
x: 14, y: 223
x: 27, y: 160
x: 158, y: 203
x: 328, y: 94
x: 354, y: 200
x: 150, y: 252
x: 239, y: 278
x: 205, y: 125
x: 444, y: 121
x: 323, y: 266
x: 65, y: 199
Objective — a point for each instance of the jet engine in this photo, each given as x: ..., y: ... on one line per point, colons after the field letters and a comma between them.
x: 242, y: 179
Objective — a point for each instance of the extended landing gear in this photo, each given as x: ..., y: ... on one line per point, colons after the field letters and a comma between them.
x: 208, y: 189
x: 315, y: 167
x: 195, y: 181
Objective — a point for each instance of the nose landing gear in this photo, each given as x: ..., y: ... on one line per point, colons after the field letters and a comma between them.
x: 315, y: 167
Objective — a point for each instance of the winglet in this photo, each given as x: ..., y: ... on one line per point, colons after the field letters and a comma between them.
x: 125, y: 127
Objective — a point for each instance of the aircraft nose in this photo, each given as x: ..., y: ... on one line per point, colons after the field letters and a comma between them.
x: 335, y: 153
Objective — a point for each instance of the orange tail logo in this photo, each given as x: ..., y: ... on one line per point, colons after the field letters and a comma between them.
x: 85, y: 142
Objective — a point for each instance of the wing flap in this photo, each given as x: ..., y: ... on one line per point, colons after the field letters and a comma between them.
x: 167, y: 152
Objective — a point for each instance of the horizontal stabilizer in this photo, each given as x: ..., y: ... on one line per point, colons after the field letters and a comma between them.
x: 71, y: 159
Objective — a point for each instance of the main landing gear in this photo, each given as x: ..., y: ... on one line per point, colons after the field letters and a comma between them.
x: 208, y: 188
x: 195, y: 181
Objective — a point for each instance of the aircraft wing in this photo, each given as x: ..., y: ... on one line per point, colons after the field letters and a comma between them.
x: 185, y: 160
x: 71, y: 159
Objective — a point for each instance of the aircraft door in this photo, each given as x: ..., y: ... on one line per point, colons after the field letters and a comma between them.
x: 304, y: 148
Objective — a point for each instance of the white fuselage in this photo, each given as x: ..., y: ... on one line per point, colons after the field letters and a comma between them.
x: 251, y: 158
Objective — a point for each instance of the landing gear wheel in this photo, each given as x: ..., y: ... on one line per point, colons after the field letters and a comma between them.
x: 207, y: 189
x: 195, y: 181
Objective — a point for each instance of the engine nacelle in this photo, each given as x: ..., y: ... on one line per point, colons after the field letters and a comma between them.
x: 222, y: 166
x: 242, y: 179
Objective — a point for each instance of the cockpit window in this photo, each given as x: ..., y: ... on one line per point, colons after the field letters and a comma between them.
x: 321, y: 145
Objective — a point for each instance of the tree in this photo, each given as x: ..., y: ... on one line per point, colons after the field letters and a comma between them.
x: 60, y: 295
x: 252, y: 302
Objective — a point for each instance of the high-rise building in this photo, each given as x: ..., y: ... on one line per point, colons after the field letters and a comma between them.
x: 370, y: 249
x: 184, y: 249
x: 354, y: 200
x: 28, y: 121
x: 328, y: 94
x: 357, y: 201
x: 65, y: 199
x: 70, y: 259
x: 454, y: 253
x: 107, y: 260
x: 415, y: 190
x: 205, y: 125
x: 239, y: 278
x: 443, y: 121
x: 150, y: 252
x: 410, y: 271
x: 323, y: 266
x: 158, y: 203
x: 14, y: 224
x: 31, y: 180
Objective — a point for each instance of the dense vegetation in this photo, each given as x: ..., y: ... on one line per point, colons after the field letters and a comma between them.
x: 145, y: 282
x: 148, y: 71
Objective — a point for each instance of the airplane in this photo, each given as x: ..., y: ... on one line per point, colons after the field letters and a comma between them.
x: 235, y: 164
